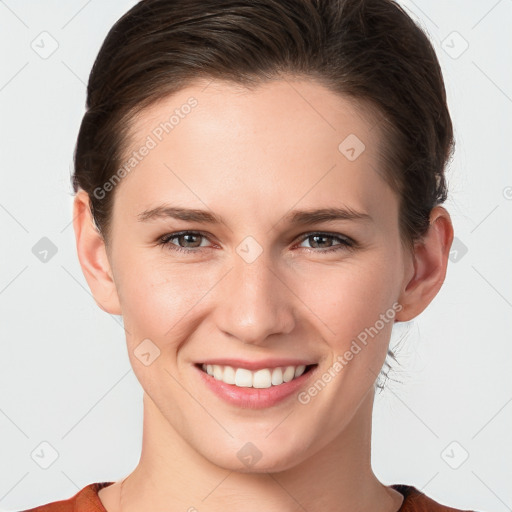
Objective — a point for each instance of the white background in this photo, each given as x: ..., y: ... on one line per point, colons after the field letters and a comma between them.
x: 65, y: 377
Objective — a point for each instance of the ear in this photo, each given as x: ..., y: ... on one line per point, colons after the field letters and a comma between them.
x: 93, y: 257
x: 428, y: 269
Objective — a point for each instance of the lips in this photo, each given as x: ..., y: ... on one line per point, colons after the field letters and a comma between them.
x: 265, y: 394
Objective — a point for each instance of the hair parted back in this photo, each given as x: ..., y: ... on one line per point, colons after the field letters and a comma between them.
x: 369, y: 51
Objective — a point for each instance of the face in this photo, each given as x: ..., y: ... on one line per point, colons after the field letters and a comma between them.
x: 267, y: 286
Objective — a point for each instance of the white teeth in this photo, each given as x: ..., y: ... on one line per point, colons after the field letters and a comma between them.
x: 289, y: 373
x: 229, y: 375
x: 243, y: 378
x: 217, y: 372
x: 277, y: 376
x: 300, y: 370
x: 263, y: 378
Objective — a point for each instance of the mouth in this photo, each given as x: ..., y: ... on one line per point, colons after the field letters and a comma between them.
x: 262, y: 378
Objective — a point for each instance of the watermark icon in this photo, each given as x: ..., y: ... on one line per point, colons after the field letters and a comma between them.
x: 507, y: 193
x: 455, y: 455
x: 351, y: 147
x: 249, y: 454
x: 249, y: 249
x: 151, y: 142
x: 458, y: 250
x: 44, y: 454
x: 44, y: 250
x: 454, y: 45
x: 304, y: 397
x: 146, y: 352
x: 45, y: 45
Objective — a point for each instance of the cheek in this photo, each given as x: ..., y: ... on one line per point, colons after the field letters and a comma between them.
x: 161, y: 304
x: 160, y: 299
x: 350, y: 297
x: 155, y: 301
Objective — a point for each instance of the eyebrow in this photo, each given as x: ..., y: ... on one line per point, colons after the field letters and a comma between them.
x: 293, y: 217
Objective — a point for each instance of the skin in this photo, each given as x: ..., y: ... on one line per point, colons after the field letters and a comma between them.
x: 251, y: 156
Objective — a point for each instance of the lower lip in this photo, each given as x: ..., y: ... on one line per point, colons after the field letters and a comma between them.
x: 254, y: 398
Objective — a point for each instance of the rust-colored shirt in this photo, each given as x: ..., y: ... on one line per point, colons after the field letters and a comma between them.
x: 87, y: 500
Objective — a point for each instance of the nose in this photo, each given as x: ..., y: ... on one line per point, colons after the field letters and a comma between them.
x: 255, y: 302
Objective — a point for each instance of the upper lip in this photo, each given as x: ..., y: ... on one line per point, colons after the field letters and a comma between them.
x: 257, y: 365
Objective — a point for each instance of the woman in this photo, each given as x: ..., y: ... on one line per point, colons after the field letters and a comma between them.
x: 258, y: 194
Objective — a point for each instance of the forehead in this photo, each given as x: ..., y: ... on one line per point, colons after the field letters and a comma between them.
x: 273, y: 104
x: 289, y: 139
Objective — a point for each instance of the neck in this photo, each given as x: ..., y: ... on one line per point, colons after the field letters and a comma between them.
x: 171, y: 475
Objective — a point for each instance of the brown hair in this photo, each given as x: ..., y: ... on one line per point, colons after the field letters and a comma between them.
x: 368, y: 50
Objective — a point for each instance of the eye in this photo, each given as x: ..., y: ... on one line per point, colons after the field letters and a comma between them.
x: 320, y: 239
x: 193, y: 243
x: 187, y: 237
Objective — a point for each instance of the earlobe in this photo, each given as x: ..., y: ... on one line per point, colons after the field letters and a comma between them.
x: 430, y: 260
x: 92, y: 255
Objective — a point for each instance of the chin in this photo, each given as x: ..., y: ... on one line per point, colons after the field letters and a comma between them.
x: 249, y: 458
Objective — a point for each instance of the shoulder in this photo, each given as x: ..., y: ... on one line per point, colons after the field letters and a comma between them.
x: 416, y: 501
x: 85, y: 500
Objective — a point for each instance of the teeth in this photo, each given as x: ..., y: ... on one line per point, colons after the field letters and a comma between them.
x: 229, y: 374
x: 243, y: 377
x: 289, y: 373
x: 263, y: 378
x: 277, y: 376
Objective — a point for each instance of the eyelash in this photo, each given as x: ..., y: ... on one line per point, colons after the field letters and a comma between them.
x: 346, y: 243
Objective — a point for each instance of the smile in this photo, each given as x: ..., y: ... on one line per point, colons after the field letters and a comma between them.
x: 265, y: 385
x: 261, y: 379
